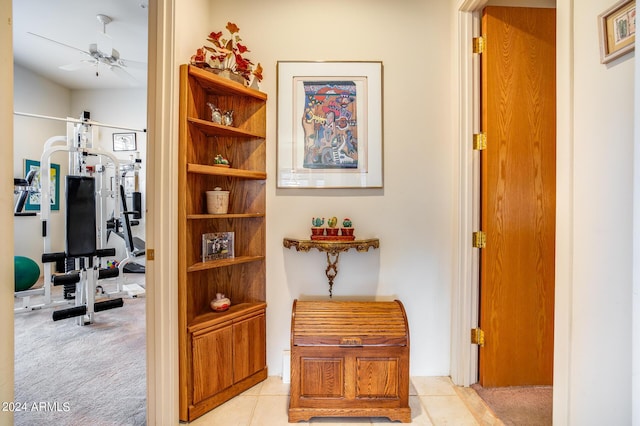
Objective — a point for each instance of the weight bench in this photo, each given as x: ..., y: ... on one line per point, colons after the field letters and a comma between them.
x: 81, y: 247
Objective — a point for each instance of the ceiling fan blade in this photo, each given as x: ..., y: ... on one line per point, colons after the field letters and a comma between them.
x: 60, y: 44
x: 120, y: 72
x: 77, y: 65
x: 133, y: 64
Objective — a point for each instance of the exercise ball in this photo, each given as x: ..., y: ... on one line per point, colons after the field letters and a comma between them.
x: 26, y: 272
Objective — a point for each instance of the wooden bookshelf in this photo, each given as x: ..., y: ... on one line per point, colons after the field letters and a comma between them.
x: 221, y: 354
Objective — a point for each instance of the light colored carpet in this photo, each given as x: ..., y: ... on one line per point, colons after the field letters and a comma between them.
x: 519, y: 405
x: 67, y: 374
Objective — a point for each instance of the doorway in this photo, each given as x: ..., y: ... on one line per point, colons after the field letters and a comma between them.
x: 464, y: 360
x: 517, y: 192
x: 103, y: 103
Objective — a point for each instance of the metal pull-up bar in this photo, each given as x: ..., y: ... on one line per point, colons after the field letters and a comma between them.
x: 78, y: 121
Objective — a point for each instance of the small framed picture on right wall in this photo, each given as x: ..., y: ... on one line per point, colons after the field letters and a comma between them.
x: 617, y: 26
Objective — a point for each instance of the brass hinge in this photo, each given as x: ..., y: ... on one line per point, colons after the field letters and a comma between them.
x: 477, y: 336
x: 479, y: 44
x: 479, y: 239
x: 151, y: 254
x: 479, y: 141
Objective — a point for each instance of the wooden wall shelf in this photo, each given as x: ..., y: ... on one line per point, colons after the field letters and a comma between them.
x: 201, y: 216
x: 221, y: 263
x: 333, y: 250
x: 225, y: 171
x: 211, y: 128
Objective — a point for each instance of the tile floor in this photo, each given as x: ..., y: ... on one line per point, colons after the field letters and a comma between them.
x: 433, y: 400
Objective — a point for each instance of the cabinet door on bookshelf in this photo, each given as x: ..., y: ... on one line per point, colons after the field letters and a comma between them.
x: 249, y: 341
x: 212, y: 361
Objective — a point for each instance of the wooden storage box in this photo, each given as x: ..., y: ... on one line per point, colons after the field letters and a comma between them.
x: 349, y: 359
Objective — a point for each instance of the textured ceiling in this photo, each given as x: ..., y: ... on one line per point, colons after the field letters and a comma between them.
x: 74, y: 23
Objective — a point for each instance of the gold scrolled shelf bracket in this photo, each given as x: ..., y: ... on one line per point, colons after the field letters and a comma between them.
x: 333, y: 250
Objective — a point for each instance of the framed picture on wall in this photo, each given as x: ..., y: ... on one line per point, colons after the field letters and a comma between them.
x: 617, y: 26
x: 33, y: 200
x: 124, y: 142
x: 329, y: 125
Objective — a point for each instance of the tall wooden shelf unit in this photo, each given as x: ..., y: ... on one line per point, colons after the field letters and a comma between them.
x: 221, y: 353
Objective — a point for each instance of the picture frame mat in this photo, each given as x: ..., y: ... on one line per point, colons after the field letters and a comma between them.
x: 368, y: 78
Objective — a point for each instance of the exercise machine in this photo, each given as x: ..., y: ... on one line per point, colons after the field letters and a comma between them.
x: 122, y: 227
x: 85, y: 227
x: 135, y: 247
x: 81, y: 247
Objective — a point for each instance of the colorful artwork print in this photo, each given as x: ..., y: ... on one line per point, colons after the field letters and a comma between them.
x: 330, y: 125
x: 33, y: 201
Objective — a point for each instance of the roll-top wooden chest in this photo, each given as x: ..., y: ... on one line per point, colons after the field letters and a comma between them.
x: 349, y: 359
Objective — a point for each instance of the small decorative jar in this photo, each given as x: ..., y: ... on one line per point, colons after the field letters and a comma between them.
x: 220, y: 303
x: 217, y: 201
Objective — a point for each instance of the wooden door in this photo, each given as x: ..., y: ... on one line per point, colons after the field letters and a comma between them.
x: 212, y: 362
x: 249, y: 347
x: 517, y: 266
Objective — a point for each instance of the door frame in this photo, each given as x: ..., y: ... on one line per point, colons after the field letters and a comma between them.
x: 465, y: 292
x: 464, y: 356
x: 162, y: 311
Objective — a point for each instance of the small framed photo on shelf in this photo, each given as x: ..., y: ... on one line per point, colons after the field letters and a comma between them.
x: 217, y: 245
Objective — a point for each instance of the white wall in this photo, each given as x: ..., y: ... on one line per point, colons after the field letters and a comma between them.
x: 599, y: 263
x: 412, y: 214
x: 34, y: 94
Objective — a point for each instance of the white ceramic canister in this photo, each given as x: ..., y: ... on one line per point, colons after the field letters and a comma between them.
x: 217, y: 201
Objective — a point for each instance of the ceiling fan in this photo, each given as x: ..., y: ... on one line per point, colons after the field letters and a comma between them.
x: 102, y: 54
